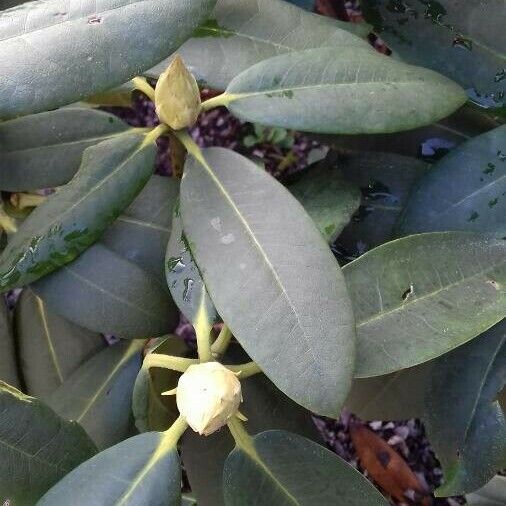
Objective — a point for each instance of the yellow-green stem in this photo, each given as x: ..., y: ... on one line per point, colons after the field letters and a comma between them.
x: 153, y: 134
x: 175, y: 431
x: 141, y: 84
x: 241, y: 437
x: 221, y: 100
x: 220, y: 346
x: 245, y: 370
x: 168, y: 362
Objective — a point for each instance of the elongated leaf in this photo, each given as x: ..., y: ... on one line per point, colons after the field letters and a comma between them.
x: 283, y: 468
x: 54, y: 55
x: 8, y: 363
x: 105, y: 293
x: 37, y: 447
x: 50, y: 347
x: 45, y: 150
x: 111, y: 174
x: 386, y: 181
x: 466, y: 190
x: 462, y: 40
x: 142, y: 231
x: 266, y: 408
x: 347, y: 91
x: 254, y: 243
x: 327, y: 197
x: 140, y: 470
x: 184, y: 279
x: 99, y: 394
x: 492, y: 494
x: 418, y: 297
x: 464, y: 421
x: 241, y: 33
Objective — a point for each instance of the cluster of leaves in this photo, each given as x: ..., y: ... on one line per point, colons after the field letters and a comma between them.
x: 414, y: 327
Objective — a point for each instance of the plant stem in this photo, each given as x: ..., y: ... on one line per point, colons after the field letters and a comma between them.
x: 177, y: 156
x: 154, y: 133
x: 168, y: 362
x: 245, y: 370
x: 191, y: 146
x: 203, y: 327
x: 141, y: 84
x: 221, y: 100
x: 174, y: 432
x: 220, y: 346
x: 241, y: 437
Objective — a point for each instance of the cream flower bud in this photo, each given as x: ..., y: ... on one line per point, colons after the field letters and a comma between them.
x: 208, y: 395
x: 177, y: 96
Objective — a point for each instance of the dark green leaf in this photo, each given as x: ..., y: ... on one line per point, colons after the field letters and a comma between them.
x: 347, y: 91
x: 112, y: 173
x: 421, y: 296
x: 285, y: 469
x: 254, y: 243
x: 45, y: 150
x: 492, y: 494
x: 241, y: 33
x: 50, y: 347
x: 466, y: 190
x: 106, y: 293
x: 98, y: 395
x: 142, y: 470
x: 8, y: 367
x: 142, y: 231
x: 327, y: 197
x: 464, y: 421
x: 37, y: 447
x: 54, y: 55
x: 184, y: 278
x: 463, y: 40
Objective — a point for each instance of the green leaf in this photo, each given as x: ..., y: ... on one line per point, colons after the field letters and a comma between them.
x: 463, y: 418
x: 421, y: 296
x: 348, y: 91
x: 151, y: 410
x: 281, y: 468
x: 65, y: 54
x: 50, y: 347
x: 141, y: 232
x: 45, y: 150
x: 236, y: 37
x: 98, y: 395
x: 466, y: 190
x: 327, y: 197
x: 253, y: 243
x: 492, y: 494
x: 460, y: 39
x: 184, y: 279
x: 141, y: 470
x: 112, y: 173
x: 386, y: 181
x: 105, y: 293
x: 8, y: 363
x: 37, y: 447
x: 266, y: 408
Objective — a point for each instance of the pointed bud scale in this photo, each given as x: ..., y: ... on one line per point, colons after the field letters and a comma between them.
x: 208, y: 395
x: 177, y: 96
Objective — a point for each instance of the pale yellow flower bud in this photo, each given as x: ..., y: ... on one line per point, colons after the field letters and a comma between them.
x: 208, y: 395
x: 177, y: 96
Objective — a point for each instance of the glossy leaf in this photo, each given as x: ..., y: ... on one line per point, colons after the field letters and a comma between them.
x: 141, y: 232
x: 285, y: 469
x: 348, y: 91
x: 243, y: 222
x: 464, y: 421
x: 241, y: 33
x: 184, y: 279
x: 8, y: 363
x: 492, y: 494
x: 421, y: 296
x: 105, y: 293
x: 111, y: 174
x: 140, y: 470
x: 37, y: 447
x: 53, y: 55
x: 386, y: 181
x: 466, y: 190
x: 463, y: 40
x: 98, y: 395
x: 50, y: 347
x: 45, y: 150
x: 266, y: 408
x: 327, y: 197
